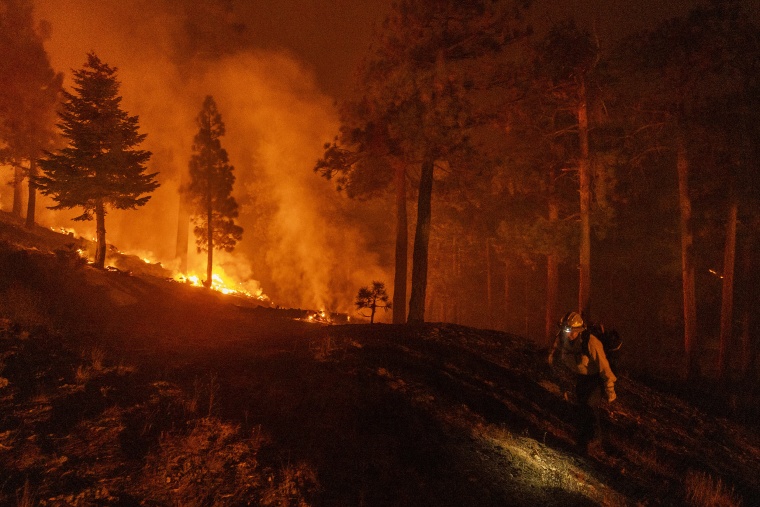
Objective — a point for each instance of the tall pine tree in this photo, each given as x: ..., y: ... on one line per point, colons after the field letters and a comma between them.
x: 29, y: 93
x: 211, y: 180
x: 101, y: 167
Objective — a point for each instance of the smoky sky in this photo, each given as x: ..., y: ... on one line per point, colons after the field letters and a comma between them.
x: 275, y: 69
x: 275, y: 72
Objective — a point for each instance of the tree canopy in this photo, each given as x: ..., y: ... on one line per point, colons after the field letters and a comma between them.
x: 210, y: 189
x: 29, y: 92
x: 102, y: 165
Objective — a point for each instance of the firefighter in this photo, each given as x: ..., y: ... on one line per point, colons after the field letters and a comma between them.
x: 583, y: 354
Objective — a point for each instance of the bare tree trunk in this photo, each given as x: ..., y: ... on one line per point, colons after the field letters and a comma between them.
x: 552, y: 268
x: 527, y: 303
x: 454, y: 282
x: 489, y: 292
x: 421, y: 243
x: 209, y: 242
x: 18, y: 191
x: 727, y: 304
x: 687, y: 258
x: 402, y: 247
x: 747, y: 304
x: 100, y: 229
x: 507, y: 321
x: 183, y: 225
x: 31, y: 203
x: 584, y: 171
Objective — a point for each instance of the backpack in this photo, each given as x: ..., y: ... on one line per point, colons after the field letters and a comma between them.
x: 611, y: 342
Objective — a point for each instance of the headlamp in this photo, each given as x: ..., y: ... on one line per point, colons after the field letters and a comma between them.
x: 567, y: 329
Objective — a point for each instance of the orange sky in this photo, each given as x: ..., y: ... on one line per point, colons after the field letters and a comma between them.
x: 170, y: 55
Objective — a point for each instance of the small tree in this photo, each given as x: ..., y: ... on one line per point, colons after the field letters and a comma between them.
x: 373, y: 297
x: 101, y: 166
x: 214, y: 209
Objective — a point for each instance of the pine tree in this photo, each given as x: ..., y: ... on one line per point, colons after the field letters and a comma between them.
x: 413, y: 110
x: 373, y: 297
x: 29, y: 93
x: 211, y: 180
x: 101, y: 167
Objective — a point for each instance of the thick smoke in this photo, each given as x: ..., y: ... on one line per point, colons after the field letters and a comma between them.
x: 305, y: 243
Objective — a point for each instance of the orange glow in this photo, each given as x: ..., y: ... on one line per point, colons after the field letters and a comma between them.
x: 297, y: 240
x: 218, y: 284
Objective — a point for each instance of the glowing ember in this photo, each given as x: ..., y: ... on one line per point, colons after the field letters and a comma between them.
x: 320, y: 317
x: 64, y: 230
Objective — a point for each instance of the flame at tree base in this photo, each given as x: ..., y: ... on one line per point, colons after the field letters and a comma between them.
x: 218, y: 284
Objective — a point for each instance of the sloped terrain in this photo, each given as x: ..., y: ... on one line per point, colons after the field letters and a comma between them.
x: 128, y: 389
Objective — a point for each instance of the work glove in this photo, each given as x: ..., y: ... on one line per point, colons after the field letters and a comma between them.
x: 611, y: 396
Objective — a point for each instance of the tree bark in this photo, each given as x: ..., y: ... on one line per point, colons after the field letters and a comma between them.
x: 727, y: 296
x: 31, y: 202
x: 209, y: 240
x: 687, y: 258
x: 747, y: 302
x: 552, y: 268
x: 183, y: 225
x: 489, y: 292
x: 100, y: 232
x: 18, y: 194
x: 584, y: 172
x: 453, y: 285
x: 421, y: 243
x: 507, y: 320
x: 402, y: 247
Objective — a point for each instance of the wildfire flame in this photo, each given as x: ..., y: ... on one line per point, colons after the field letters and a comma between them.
x: 64, y: 230
x: 320, y: 317
x: 218, y: 284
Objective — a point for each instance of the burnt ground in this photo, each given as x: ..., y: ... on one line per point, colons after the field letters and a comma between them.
x: 126, y: 389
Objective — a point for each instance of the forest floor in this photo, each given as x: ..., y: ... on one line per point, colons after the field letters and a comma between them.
x: 121, y: 388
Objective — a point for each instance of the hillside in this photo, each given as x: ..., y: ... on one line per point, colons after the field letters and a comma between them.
x: 121, y: 388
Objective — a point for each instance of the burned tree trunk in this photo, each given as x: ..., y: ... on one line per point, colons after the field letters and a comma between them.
x: 687, y: 258
x: 727, y: 299
x: 421, y: 243
x: 552, y: 269
x: 584, y: 171
x: 402, y: 247
x: 100, y: 232
x: 210, y: 238
x: 183, y: 225
x: 18, y: 195
x: 31, y: 202
x: 489, y: 292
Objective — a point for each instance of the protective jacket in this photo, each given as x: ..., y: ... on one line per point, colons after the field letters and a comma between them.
x: 588, y: 362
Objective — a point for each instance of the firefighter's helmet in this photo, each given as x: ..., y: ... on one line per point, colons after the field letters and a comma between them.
x: 572, y: 320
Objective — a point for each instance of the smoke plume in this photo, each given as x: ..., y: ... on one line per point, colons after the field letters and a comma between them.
x: 304, y: 245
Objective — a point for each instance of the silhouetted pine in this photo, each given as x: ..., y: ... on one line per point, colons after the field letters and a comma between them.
x: 211, y: 180
x: 29, y: 92
x: 101, y: 167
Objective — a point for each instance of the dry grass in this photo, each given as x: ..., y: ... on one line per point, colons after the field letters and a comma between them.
x: 702, y: 490
x: 83, y: 374
x: 25, y: 497
x: 214, y: 464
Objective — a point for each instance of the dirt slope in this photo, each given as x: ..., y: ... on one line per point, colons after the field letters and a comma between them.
x: 120, y: 389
